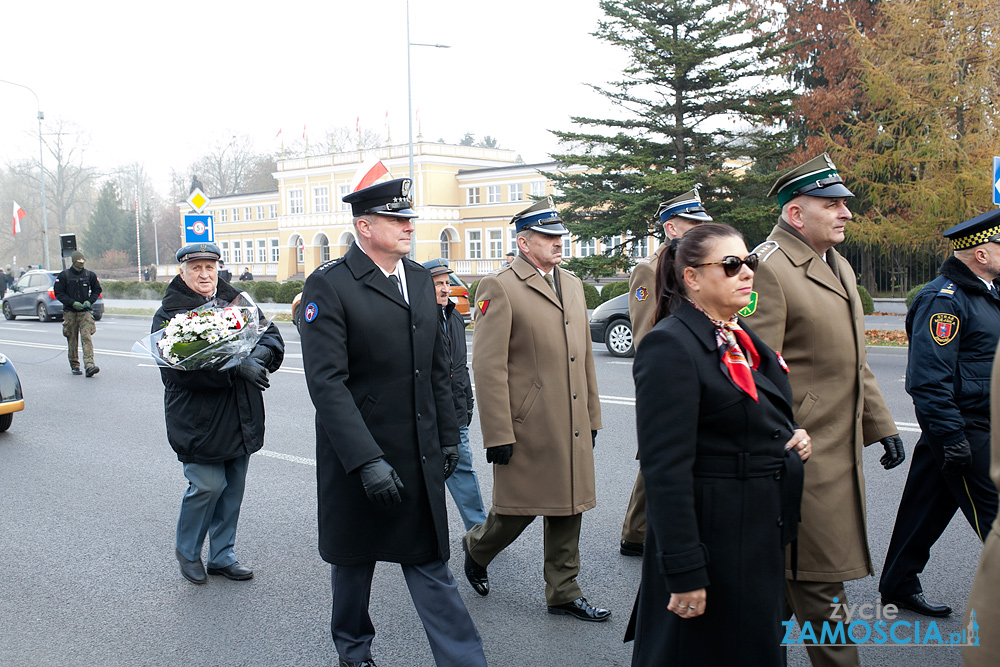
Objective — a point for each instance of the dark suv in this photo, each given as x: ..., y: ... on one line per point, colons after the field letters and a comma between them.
x: 33, y: 295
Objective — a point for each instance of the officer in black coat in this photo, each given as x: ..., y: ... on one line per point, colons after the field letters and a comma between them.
x: 215, y: 421
x: 386, y: 434
x: 953, y: 325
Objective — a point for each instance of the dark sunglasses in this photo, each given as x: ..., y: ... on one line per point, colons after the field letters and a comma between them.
x: 731, y: 263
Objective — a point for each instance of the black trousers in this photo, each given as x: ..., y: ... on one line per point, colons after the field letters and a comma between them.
x: 929, y: 501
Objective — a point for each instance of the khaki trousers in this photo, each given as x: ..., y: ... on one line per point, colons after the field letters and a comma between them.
x: 562, y: 549
x: 811, y: 601
x: 634, y: 528
x: 79, y: 325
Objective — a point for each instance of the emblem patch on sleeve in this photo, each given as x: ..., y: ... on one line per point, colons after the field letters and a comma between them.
x: 641, y: 293
x: 944, y: 328
x: 310, y: 313
x: 750, y: 308
x: 483, y: 305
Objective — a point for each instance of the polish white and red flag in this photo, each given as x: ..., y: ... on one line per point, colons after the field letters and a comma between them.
x: 18, y: 215
x: 369, y: 172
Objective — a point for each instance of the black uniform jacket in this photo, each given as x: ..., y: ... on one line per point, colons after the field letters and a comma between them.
x: 379, y: 376
x: 722, y: 497
x: 72, y: 285
x: 458, y: 350
x: 212, y: 415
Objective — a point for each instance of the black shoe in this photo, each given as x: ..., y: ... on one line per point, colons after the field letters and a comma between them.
x: 236, y: 572
x: 475, y: 573
x: 363, y: 663
x: 630, y: 548
x: 92, y: 371
x: 918, y: 603
x: 192, y: 570
x: 582, y: 609
x: 76, y: 371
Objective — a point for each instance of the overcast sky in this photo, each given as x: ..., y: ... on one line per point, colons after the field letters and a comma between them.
x: 158, y: 83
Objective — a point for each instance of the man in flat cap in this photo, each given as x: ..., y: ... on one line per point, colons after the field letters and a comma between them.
x: 464, y: 483
x: 953, y: 326
x: 538, y: 409
x: 77, y: 288
x: 806, y: 306
x: 215, y: 421
x: 677, y: 216
x: 386, y: 431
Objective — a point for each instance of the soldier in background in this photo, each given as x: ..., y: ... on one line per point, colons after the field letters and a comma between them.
x: 677, y: 216
x: 77, y: 288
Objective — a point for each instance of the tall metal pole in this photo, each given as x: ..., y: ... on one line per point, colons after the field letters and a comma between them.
x: 409, y: 89
x: 41, y: 169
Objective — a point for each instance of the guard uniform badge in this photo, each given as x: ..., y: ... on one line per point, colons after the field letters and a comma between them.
x: 750, y: 308
x: 483, y: 305
x: 781, y: 361
x: 310, y: 312
x: 944, y: 328
x: 641, y: 293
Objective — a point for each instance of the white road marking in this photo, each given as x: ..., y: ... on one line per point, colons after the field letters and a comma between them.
x: 288, y: 457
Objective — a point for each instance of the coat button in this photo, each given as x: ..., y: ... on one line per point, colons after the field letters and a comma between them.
x: 418, y: 416
x: 418, y: 372
x: 781, y: 522
x: 567, y: 321
x: 574, y: 395
x: 777, y: 474
x: 776, y: 433
x: 414, y: 327
x: 573, y: 358
x: 576, y: 434
x: 423, y: 459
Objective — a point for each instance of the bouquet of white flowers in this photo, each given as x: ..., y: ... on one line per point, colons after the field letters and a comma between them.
x: 214, y: 336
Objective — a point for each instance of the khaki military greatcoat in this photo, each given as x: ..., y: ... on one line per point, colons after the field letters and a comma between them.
x: 642, y: 295
x: 810, y: 312
x: 536, y: 389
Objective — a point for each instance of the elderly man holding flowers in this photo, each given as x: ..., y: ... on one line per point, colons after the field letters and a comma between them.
x: 215, y: 412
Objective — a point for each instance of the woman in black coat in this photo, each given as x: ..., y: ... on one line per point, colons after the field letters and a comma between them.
x: 722, y: 460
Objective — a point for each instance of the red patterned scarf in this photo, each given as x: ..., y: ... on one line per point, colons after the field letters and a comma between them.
x: 736, y: 346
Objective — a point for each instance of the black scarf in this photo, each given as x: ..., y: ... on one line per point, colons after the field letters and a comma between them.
x: 179, y: 296
x: 954, y: 270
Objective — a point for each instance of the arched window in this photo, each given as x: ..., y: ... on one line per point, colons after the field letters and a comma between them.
x: 324, y: 247
x: 300, y: 250
x: 445, y: 244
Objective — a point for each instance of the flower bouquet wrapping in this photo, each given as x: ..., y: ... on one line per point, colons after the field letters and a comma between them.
x: 216, y: 336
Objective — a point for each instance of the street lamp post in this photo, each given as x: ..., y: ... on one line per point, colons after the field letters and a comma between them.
x: 41, y: 169
x: 409, y: 81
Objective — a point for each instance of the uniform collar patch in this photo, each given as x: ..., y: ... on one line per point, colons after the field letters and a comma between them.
x: 750, y: 308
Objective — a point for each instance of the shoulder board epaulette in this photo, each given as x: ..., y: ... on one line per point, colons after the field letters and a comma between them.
x: 947, y: 290
x: 327, y: 265
x: 765, y: 250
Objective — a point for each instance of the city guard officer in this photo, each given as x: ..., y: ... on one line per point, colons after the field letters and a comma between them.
x: 386, y: 433
x: 806, y: 307
x: 677, y: 216
x: 538, y: 409
x: 953, y: 325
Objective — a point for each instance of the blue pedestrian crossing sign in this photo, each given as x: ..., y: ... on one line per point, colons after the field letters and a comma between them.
x: 199, y: 229
x: 996, y: 180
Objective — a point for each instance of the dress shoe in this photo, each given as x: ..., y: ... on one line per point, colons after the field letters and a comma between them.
x: 475, y: 573
x: 363, y: 663
x: 192, y: 570
x: 918, y: 603
x: 92, y: 371
x: 236, y: 572
x: 76, y: 371
x: 582, y: 609
x: 631, y: 548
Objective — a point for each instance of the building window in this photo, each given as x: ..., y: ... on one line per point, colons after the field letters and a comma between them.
x: 343, y: 191
x: 237, y: 253
x: 224, y: 247
x: 236, y: 214
x: 495, y: 237
x: 246, y: 213
x: 639, y: 247
x: 472, y: 196
x: 260, y: 212
x: 588, y: 248
x: 475, y: 244
x: 515, y: 192
x: 492, y: 194
x: 445, y: 244
x: 273, y: 211
x: 324, y: 248
x: 537, y: 189
x: 300, y: 250
x: 275, y: 251
x: 321, y: 199
x: 261, y: 251
x: 248, y: 248
x: 223, y: 215
x: 567, y: 246
x: 512, y: 239
x: 296, y: 206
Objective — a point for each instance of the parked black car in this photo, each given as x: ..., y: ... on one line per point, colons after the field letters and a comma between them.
x: 610, y: 324
x: 32, y: 295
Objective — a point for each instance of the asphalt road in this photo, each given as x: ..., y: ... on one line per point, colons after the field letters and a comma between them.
x: 89, y: 492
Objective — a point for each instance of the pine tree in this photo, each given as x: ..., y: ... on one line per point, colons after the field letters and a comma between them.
x: 701, y: 100
x: 112, y: 226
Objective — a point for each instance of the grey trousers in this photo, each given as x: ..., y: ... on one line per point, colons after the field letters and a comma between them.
x: 810, y: 601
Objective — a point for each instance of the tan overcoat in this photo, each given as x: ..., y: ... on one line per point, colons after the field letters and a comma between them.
x: 985, y: 596
x: 642, y: 295
x: 536, y: 389
x: 810, y: 313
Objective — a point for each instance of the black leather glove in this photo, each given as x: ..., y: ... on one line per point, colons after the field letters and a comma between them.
x: 894, y: 452
x: 450, y: 455
x: 468, y: 421
x: 77, y: 305
x: 381, y: 482
x: 499, y: 455
x: 263, y: 354
x: 593, y: 439
x: 251, y: 371
x: 957, y: 458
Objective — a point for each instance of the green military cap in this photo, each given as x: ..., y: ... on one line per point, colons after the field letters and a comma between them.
x: 817, y: 178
